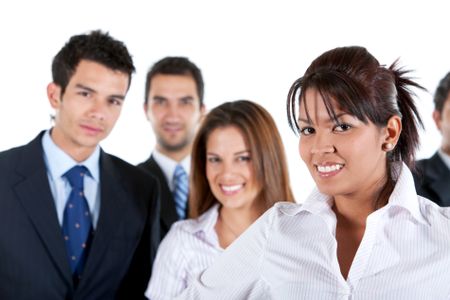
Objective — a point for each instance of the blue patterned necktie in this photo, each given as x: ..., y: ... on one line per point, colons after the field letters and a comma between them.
x: 77, y: 224
x: 180, y: 192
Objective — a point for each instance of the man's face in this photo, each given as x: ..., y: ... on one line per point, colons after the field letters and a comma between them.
x: 174, y: 110
x: 89, y: 108
x: 442, y: 120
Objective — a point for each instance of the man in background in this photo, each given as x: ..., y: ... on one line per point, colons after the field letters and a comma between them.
x: 174, y: 107
x: 76, y: 222
x: 432, y: 177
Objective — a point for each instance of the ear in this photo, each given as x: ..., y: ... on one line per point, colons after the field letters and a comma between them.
x: 202, y: 113
x: 393, y: 129
x: 202, y: 110
x: 54, y: 95
x: 146, y: 111
x: 437, y: 117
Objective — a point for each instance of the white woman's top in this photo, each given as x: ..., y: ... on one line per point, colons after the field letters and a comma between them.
x: 290, y: 253
x: 189, y: 247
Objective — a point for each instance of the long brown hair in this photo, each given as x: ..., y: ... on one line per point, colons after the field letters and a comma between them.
x: 266, y: 148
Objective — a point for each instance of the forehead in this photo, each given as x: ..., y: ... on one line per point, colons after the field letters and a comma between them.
x: 228, y: 138
x: 168, y: 83
x: 97, y: 75
x: 314, y: 105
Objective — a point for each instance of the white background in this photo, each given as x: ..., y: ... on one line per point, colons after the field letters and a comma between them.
x: 246, y: 50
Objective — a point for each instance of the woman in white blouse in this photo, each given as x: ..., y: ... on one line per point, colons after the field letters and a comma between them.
x: 364, y: 233
x: 238, y: 171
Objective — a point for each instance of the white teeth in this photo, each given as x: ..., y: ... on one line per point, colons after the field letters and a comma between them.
x: 231, y: 188
x: 327, y: 169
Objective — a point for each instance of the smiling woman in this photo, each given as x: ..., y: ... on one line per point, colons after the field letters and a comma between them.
x: 363, y: 232
x: 238, y: 172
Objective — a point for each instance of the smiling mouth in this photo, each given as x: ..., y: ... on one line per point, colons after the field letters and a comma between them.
x: 329, y: 170
x: 230, y: 189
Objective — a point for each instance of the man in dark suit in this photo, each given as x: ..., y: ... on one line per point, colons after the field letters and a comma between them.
x: 76, y: 222
x: 432, y: 177
x: 174, y: 106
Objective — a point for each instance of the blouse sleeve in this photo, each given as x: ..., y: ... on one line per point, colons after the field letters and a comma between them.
x: 237, y: 272
x: 169, y: 269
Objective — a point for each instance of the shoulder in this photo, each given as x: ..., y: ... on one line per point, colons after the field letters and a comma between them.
x: 287, y: 208
x: 127, y: 170
x: 8, y: 157
x: 180, y: 236
x: 435, y: 215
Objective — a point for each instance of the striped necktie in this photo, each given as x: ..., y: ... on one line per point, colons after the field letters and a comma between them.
x: 180, y: 192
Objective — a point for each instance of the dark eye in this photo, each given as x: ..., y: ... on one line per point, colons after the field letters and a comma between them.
x: 342, y: 127
x: 186, y: 101
x: 115, y: 101
x: 159, y: 101
x: 213, y: 159
x: 244, y: 158
x: 307, y: 131
x: 84, y: 93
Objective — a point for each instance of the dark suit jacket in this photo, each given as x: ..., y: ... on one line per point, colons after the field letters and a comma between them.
x: 432, y: 180
x: 33, y: 260
x: 168, y: 213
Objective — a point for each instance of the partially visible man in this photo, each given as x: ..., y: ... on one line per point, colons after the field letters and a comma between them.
x: 432, y: 177
x: 76, y: 222
x: 174, y: 106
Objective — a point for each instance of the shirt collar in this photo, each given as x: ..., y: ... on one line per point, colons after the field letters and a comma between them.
x: 168, y: 165
x: 204, y: 226
x: 206, y: 222
x: 59, y: 162
x: 404, y: 193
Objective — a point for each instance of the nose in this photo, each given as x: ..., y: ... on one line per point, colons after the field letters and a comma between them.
x: 321, y: 144
x: 227, y: 170
x: 172, y: 110
x: 98, y: 110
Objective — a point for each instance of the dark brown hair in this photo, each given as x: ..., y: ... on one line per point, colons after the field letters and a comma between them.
x: 365, y: 89
x: 266, y: 148
x: 442, y: 92
x: 175, y: 65
x: 96, y: 46
x: 362, y: 87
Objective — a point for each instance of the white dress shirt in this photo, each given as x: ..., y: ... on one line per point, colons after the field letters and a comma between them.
x: 290, y: 253
x: 189, y: 247
x: 58, y: 163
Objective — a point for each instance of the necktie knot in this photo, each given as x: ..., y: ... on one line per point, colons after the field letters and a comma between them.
x: 75, y: 176
x: 179, y: 175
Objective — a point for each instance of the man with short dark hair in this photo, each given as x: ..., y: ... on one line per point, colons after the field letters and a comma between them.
x: 432, y: 177
x: 76, y: 222
x: 174, y: 107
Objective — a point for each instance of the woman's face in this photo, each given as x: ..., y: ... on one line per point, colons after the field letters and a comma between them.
x: 229, y: 168
x: 344, y: 158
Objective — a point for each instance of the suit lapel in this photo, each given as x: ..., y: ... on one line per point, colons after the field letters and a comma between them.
x: 113, y: 202
x: 34, y: 193
x: 168, y: 211
x: 439, y: 177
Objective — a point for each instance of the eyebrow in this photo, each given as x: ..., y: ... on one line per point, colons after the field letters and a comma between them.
x: 237, y: 153
x: 81, y: 86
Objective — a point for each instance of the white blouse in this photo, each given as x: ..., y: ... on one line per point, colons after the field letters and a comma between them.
x: 189, y: 247
x: 290, y: 253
